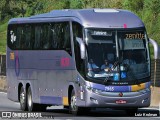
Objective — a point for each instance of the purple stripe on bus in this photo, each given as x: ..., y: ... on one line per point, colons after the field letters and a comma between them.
x: 147, y: 85
x: 121, y: 88
x: 98, y: 86
x: 116, y: 88
x: 112, y: 88
x: 51, y: 100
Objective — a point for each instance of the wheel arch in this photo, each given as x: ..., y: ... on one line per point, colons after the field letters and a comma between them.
x: 69, y: 92
x: 27, y: 86
x: 70, y: 88
x: 19, y: 88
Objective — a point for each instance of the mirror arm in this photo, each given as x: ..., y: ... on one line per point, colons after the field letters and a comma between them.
x: 82, y: 47
x: 155, y: 45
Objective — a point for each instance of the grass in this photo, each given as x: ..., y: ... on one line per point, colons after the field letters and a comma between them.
x: 3, y: 42
x: 3, y: 38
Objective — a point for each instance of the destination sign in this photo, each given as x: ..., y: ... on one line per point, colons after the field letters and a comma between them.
x: 135, y: 36
x: 102, y: 33
x: 133, y: 44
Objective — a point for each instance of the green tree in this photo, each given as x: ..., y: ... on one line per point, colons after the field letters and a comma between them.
x: 76, y: 4
x: 2, y: 2
x: 153, y: 6
x: 133, y: 5
x: 5, y: 9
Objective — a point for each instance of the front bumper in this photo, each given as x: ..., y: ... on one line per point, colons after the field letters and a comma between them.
x: 109, y: 99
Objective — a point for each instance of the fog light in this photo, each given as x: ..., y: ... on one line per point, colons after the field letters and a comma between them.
x: 94, y: 100
x: 145, y: 100
x: 82, y: 93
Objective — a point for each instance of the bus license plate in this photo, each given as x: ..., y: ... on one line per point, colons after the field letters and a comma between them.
x: 121, y: 101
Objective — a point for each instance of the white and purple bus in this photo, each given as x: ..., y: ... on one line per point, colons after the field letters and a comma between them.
x: 56, y: 58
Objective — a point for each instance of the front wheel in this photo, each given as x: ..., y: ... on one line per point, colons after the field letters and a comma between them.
x: 73, y: 108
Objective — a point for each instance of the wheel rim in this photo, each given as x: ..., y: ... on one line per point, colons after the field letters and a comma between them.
x: 22, y: 98
x: 29, y: 99
x: 73, y: 103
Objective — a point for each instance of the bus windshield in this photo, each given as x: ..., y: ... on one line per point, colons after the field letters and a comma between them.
x: 133, y: 50
x: 117, y: 55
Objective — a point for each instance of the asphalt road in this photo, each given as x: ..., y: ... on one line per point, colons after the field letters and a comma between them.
x: 62, y: 114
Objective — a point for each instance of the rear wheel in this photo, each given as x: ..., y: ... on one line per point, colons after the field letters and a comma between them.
x: 31, y: 106
x: 22, y: 99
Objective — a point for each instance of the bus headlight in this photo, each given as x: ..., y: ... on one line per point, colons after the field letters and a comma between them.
x: 94, y: 90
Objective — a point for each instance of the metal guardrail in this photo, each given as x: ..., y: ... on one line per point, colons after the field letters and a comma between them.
x: 155, y: 72
x: 155, y: 63
x: 3, y: 65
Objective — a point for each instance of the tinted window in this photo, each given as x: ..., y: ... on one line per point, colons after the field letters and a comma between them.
x: 77, y: 32
x: 46, y: 36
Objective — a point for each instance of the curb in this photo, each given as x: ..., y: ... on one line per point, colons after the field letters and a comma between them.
x: 3, y: 83
x: 155, y: 96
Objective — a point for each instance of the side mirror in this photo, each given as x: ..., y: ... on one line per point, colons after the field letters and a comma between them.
x: 156, y: 48
x: 82, y: 47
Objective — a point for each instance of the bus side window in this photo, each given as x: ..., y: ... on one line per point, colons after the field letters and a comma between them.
x: 27, y: 37
x: 53, y: 36
x: 44, y: 37
x: 54, y: 40
x: 59, y: 36
x: 37, y: 37
x: 55, y: 30
x: 77, y: 32
x: 12, y: 37
x: 67, y: 40
x: 19, y: 41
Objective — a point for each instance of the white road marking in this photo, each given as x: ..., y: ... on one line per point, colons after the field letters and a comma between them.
x: 150, y: 108
x: 17, y: 103
x: 3, y: 93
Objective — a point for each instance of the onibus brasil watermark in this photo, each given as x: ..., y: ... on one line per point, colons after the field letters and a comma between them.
x: 25, y: 115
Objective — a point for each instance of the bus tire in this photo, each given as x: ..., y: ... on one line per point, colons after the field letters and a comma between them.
x: 22, y: 99
x: 30, y: 105
x: 73, y: 108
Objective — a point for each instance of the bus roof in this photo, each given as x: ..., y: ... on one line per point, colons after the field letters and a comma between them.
x: 97, y: 18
